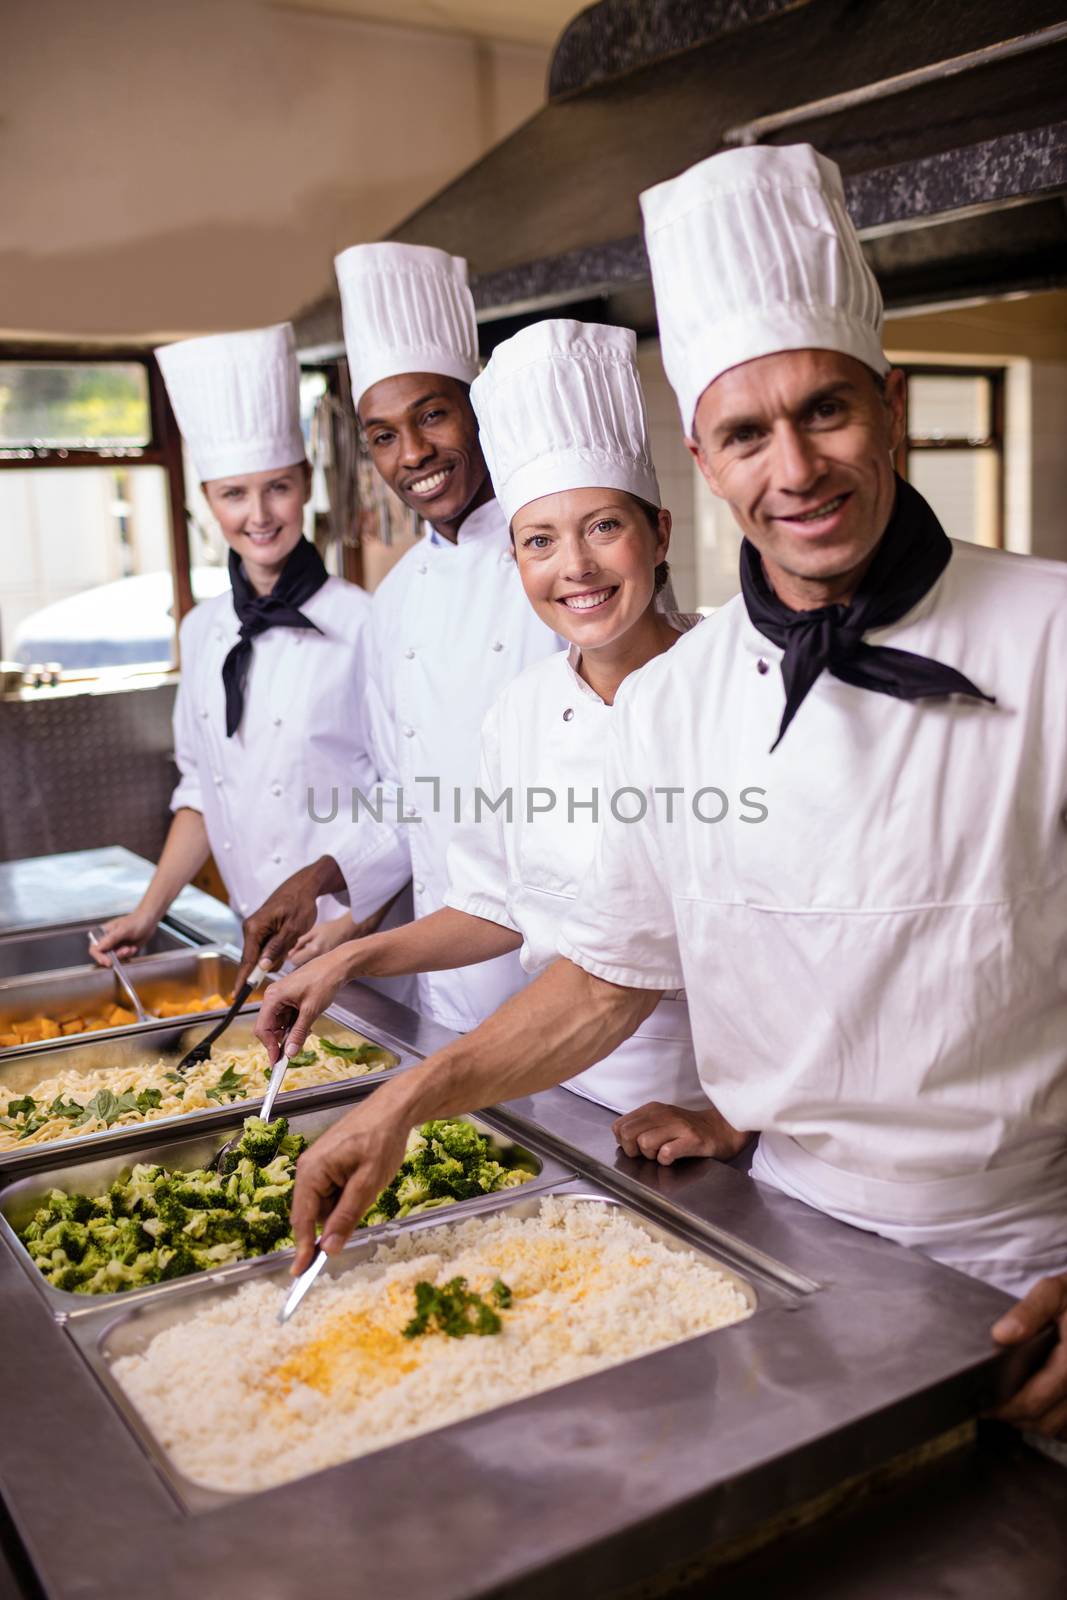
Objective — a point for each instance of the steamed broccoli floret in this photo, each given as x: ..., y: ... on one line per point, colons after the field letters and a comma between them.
x: 72, y: 1238
x: 263, y: 1229
x: 202, y: 1191
x: 219, y: 1226
x: 174, y: 1262
x: 455, y: 1310
x: 260, y: 1140
x: 383, y: 1210
x: 458, y: 1139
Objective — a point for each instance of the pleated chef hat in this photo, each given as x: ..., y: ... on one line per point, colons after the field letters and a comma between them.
x: 406, y: 308
x: 560, y: 407
x: 753, y: 252
x: 237, y: 399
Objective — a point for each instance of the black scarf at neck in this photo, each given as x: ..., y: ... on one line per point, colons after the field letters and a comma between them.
x: 300, y: 578
x: 912, y: 555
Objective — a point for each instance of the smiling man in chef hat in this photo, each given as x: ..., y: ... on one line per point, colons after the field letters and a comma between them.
x: 875, y: 973
x: 265, y: 665
x: 450, y: 625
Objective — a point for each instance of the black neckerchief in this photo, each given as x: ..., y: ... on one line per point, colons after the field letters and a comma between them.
x: 301, y: 577
x: 913, y: 553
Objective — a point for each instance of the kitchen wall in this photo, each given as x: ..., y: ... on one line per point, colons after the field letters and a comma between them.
x: 179, y: 168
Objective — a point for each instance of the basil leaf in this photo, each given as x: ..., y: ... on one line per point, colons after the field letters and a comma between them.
x: 23, y: 1107
x: 348, y: 1052
x: 306, y: 1058
x: 149, y: 1099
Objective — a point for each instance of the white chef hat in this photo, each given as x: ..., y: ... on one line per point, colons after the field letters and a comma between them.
x: 237, y: 399
x: 559, y: 407
x: 753, y: 252
x: 406, y: 308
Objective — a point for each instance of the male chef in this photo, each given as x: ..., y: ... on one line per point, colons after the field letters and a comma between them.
x: 450, y: 624
x: 877, y: 973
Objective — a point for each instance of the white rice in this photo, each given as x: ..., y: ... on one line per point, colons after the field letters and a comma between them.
x: 242, y: 1404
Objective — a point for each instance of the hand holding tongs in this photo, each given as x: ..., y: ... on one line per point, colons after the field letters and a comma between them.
x: 123, y: 976
x: 303, y: 1284
x: 277, y: 1074
x: 201, y: 1051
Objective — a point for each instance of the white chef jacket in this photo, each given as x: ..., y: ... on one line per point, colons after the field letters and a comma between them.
x: 450, y: 628
x: 522, y: 865
x: 304, y: 726
x: 877, y: 972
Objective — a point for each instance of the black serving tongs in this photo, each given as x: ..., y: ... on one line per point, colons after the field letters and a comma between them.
x: 201, y: 1051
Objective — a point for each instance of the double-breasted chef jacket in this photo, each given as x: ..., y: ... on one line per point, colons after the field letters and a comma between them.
x: 876, y: 972
x: 521, y: 864
x: 304, y: 727
x: 450, y: 627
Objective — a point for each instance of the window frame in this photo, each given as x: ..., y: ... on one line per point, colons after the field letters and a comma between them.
x: 994, y: 440
x: 164, y: 448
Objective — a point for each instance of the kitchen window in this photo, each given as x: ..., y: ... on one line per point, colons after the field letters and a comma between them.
x: 954, y: 447
x: 96, y: 570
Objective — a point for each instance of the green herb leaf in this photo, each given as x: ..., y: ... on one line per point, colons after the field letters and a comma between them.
x: 306, y: 1058
x: 229, y: 1086
x: 174, y: 1077
x: 23, y: 1107
x: 348, y: 1052
x: 149, y: 1099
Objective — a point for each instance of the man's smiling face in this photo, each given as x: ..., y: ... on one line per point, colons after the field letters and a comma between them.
x: 800, y: 446
x: 423, y: 439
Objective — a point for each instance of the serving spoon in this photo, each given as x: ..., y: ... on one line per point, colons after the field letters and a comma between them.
x: 125, y: 982
x: 274, y: 1086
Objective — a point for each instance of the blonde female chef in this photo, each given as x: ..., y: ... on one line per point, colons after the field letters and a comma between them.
x: 564, y: 432
x: 270, y: 701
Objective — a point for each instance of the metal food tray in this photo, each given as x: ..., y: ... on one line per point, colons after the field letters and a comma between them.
x: 105, y: 1334
x: 171, y: 1040
x: 64, y: 945
x: 88, y: 988
x: 20, y: 1200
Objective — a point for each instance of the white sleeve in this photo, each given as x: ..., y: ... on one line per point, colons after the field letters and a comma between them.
x: 477, y: 854
x: 374, y: 854
x: 188, y: 792
x: 622, y: 925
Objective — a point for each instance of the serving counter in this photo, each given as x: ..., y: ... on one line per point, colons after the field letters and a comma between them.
x: 855, y: 1383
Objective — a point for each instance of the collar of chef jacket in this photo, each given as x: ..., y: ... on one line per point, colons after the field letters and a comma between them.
x: 479, y: 524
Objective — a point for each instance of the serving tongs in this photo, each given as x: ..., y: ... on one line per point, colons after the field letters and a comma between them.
x: 123, y: 976
x: 201, y: 1051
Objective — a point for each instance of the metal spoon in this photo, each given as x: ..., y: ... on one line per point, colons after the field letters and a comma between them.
x: 124, y: 980
x: 273, y: 1088
x: 303, y: 1284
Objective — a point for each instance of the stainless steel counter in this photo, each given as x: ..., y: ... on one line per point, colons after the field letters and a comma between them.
x: 861, y: 1351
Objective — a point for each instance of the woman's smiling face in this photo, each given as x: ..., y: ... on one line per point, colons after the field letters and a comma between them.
x: 261, y: 515
x: 587, y: 559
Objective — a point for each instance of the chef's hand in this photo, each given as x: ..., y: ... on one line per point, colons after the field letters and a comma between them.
x: 290, y: 1006
x: 322, y: 938
x: 1041, y: 1403
x: 125, y: 936
x: 271, y: 932
x: 667, y: 1133
x: 342, y: 1174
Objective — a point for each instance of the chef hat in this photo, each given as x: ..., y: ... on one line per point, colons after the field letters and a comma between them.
x: 237, y: 399
x: 753, y: 252
x: 406, y: 308
x: 560, y: 407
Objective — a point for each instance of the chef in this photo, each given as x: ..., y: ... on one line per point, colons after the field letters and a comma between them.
x: 450, y: 625
x: 270, y: 701
x: 564, y: 431
x: 876, y: 971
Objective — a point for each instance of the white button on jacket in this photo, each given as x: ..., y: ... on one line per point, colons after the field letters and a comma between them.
x: 448, y: 603
x: 325, y: 744
x: 522, y: 864
x: 875, y: 970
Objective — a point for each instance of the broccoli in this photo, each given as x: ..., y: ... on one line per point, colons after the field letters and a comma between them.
x: 153, y: 1225
x: 455, y: 1310
x: 459, y: 1139
x: 260, y: 1140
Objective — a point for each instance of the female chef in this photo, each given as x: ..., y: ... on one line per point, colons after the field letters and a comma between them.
x: 269, y: 703
x: 564, y: 433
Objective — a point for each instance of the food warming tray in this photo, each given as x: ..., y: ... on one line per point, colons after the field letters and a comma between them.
x: 21, y: 1070
x: 19, y: 1200
x: 88, y: 988
x: 49, y: 949
x: 105, y: 1334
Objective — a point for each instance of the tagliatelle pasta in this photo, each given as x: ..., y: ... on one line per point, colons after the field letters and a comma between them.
x: 69, y: 1105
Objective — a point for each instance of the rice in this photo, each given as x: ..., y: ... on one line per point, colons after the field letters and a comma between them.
x: 241, y: 1404
x: 189, y: 1091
